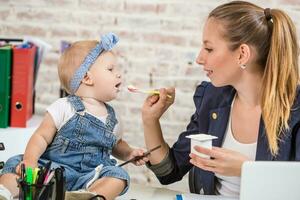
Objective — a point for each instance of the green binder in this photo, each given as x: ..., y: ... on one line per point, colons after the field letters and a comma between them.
x: 5, y: 76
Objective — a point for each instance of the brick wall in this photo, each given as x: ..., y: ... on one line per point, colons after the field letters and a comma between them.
x: 159, y: 42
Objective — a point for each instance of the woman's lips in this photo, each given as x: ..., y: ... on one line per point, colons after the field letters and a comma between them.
x: 208, y: 72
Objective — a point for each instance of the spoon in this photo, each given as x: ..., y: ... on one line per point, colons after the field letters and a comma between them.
x: 131, y: 88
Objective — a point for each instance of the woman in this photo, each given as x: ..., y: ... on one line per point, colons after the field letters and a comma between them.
x: 250, y: 54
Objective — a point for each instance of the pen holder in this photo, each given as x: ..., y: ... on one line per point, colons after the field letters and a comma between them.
x: 53, y: 190
x: 37, y: 191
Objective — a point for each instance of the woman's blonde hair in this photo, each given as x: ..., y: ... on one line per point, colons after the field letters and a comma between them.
x: 274, y: 38
x: 71, y: 59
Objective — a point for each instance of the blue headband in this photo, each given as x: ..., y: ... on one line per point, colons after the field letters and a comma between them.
x: 107, y: 42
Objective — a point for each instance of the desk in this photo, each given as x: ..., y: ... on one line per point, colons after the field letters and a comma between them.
x: 141, y: 192
x: 15, y: 139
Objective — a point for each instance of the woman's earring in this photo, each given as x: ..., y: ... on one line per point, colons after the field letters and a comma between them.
x: 243, y: 66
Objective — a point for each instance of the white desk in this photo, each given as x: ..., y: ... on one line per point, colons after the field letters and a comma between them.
x: 141, y: 192
x: 15, y: 139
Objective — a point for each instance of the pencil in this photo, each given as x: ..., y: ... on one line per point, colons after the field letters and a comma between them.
x: 139, y: 157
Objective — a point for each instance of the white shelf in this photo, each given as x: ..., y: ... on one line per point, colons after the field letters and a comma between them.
x: 15, y: 139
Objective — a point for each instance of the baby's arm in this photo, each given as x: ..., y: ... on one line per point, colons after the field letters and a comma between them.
x: 123, y: 151
x: 39, y: 141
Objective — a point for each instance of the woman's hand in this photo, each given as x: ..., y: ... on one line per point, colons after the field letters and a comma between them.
x: 155, y: 105
x: 135, y: 153
x: 223, y: 161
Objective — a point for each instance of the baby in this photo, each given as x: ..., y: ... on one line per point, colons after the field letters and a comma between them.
x: 80, y: 132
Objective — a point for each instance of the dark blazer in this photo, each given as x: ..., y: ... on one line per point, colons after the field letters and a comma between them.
x: 208, y: 100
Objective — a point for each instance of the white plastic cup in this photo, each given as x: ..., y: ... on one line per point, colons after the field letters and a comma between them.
x: 202, y: 140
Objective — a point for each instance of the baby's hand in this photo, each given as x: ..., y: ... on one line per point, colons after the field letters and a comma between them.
x: 138, y: 153
x: 27, y: 164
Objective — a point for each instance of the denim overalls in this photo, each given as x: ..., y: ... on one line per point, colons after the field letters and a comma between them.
x: 83, y: 143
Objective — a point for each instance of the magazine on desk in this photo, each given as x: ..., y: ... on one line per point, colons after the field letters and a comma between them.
x: 189, y: 196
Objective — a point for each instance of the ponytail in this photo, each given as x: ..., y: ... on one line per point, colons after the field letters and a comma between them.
x: 281, y: 77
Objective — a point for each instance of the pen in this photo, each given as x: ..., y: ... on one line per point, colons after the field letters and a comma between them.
x: 22, y: 171
x: 29, y: 173
x: 43, y: 174
x: 35, y: 175
x: 47, y: 168
x: 43, y: 192
x: 49, y: 177
x: 139, y: 157
x: 44, y: 182
x: 46, y: 187
x: 40, y: 178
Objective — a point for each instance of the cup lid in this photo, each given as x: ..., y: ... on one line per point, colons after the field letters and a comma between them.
x: 201, y: 137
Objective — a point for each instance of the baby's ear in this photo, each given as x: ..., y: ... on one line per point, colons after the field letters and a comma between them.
x: 87, y: 79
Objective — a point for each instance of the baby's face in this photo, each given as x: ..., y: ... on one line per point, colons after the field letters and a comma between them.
x: 106, y: 77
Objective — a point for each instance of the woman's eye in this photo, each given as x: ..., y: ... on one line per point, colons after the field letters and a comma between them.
x: 110, y: 69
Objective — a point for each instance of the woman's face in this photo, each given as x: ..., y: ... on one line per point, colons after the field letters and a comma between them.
x: 219, y: 62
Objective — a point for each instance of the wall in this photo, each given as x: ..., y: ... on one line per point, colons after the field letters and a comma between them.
x: 159, y: 42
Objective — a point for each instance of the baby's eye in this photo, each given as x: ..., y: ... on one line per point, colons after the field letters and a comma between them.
x: 110, y: 69
x: 208, y: 50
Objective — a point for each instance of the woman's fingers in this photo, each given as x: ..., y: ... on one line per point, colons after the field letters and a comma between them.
x: 204, y: 161
x: 171, y: 92
x: 223, y: 161
x: 155, y: 105
x: 221, y: 150
x: 205, y: 164
x: 207, y: 168
x: 150, y: 100
x: 166, y: 97
x: 213, y: 153
x: 154, y: 99
x: 167, y: 94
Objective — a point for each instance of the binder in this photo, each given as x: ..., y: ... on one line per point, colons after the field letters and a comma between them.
x: 5, y: 78
x: 41, y: 48
x: 22, y: 85
x: 63, y: 46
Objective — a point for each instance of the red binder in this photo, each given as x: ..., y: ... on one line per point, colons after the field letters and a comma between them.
x: 22, y: 85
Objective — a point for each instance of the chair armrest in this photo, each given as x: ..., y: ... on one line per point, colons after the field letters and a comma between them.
x: 194, y: 181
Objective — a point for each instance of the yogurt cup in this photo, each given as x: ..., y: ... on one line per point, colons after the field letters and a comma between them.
x: 202, y: 140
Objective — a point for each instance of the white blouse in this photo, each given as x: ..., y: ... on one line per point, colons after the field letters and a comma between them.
x: 230, y: 185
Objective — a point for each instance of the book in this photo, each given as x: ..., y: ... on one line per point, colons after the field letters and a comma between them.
x: 190, y: 196
x: 41, y: 49
x: 63, y: 46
